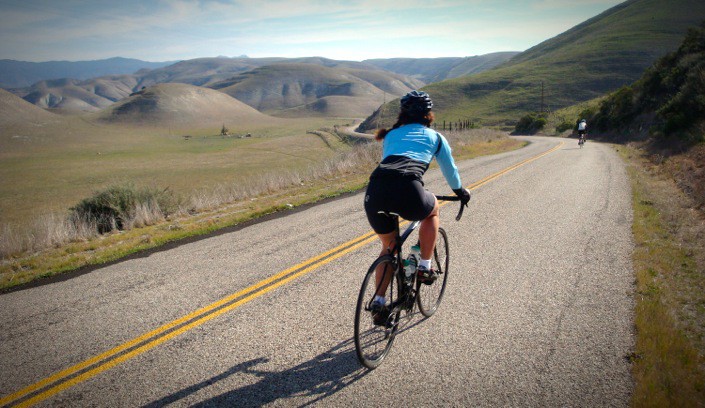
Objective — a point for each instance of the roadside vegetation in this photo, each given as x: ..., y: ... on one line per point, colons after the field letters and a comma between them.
x: 125, y: 218
x: 669, y: 262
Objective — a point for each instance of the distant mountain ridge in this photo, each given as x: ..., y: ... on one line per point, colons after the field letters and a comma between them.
x: 203, y: 71
x: 300, y: 86
x: 18, y: 74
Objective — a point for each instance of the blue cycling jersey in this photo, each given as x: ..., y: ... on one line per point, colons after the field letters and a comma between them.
x: 421, y: 144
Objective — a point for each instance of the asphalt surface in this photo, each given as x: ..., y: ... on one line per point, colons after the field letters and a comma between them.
x: 538, y: 310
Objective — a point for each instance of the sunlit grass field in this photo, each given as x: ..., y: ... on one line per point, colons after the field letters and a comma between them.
x: 49, y: 169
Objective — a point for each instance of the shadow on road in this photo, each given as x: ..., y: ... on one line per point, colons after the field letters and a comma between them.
x: 311, y: 381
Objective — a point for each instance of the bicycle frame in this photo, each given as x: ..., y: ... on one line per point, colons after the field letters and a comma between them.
x: 400, y: 239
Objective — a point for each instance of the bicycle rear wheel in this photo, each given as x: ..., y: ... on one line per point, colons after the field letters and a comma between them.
x: 373, y: 341
x: 429, y: 296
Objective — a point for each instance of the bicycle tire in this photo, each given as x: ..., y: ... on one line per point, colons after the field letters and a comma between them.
x: 373, y: 342
x: 429, y: 297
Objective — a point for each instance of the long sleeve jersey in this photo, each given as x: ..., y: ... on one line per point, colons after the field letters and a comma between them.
x: 409, y: 150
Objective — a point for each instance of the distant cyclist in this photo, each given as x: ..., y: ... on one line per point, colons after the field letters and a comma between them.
x: 582, y: 131
x: 396, y: 185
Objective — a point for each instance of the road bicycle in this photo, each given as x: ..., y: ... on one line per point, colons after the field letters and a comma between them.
x: 581, y: 140
x: 404, y: 292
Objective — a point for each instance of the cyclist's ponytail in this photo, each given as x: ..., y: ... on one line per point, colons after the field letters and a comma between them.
x: 382, y: 133
x: 405, y: 118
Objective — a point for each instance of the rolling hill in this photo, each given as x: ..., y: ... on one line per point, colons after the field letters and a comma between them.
x: 70, y: 95
x: 299, y: 88
x: 589, y: 60
x: 14, y: 109
x: 181, y: 105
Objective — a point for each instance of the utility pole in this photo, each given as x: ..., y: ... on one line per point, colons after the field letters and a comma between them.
x: 542, y: 96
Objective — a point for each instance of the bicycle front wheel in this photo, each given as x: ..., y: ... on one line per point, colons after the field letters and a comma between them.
x: 374, y: 333
x: 429, y: 296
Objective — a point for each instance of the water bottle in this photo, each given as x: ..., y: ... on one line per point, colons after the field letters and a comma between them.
x: 414, y: 256
x: 407, y: 269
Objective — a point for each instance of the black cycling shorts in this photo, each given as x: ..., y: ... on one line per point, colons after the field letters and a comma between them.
x: 405, y: 197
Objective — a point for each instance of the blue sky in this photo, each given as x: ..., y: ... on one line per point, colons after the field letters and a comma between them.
x: 167, y: 30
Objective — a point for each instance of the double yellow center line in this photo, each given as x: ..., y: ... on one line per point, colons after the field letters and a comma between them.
x: 89, y: 368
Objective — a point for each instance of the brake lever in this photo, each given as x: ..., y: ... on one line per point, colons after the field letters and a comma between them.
x: 460, y: 213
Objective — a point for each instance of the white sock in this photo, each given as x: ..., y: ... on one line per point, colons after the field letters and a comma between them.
x: 426, y: 263
x: 379, y: 299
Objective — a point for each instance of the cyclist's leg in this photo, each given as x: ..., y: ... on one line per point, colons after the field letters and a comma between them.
x: 428, y: 232
x: 384, y: 224
x: 382, y: 279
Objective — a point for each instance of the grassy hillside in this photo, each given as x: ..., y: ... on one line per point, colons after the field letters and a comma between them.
x: 426, y: 69
x: 668, y: 100
x: 431, y: 70
x: 598, y: 56
x: 666, y: 110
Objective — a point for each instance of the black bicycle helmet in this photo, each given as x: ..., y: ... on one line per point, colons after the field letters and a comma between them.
x: 416, y: 101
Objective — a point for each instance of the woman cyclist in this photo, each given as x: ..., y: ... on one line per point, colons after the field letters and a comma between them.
x: 396, y: 185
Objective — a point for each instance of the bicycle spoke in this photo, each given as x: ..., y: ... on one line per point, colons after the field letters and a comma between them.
x: 430, y: 296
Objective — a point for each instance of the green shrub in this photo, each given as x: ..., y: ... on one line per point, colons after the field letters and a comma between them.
x: 617, y: 110
x: 117, y: 206
x: 565, y: 126
x: 530, y: 124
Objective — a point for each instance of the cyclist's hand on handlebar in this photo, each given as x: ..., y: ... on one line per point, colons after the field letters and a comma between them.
x: 464, y: 195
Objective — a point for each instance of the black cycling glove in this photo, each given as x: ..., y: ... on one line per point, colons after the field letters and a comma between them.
x: 463, y: 193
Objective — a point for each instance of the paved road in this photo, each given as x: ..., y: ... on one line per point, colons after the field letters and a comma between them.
x: 538, y: 310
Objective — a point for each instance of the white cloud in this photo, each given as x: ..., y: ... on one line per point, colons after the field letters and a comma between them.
x: 175, y: 29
